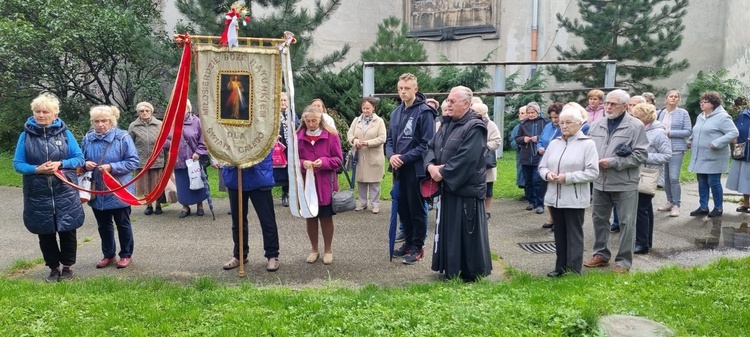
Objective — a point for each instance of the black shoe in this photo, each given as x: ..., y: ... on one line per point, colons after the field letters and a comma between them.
x: 400, y: 236
x: 555, y: 273
x: 699, y: 212
x: 400, y: 251
x: 614, y: 228
x: 149, y: 210
x: 547, y: 225
x: 414, y: 255
x: 552, y: 229
x: 285, y: 200
x: 54, y: 275
x: 529, y: 207
x: 184, y: 213
x: 67, y: 274
x: 158, y: 210
x: 640, y: 250
x: 715, y: 212
x: 489, y: 215
x: 200, y: 212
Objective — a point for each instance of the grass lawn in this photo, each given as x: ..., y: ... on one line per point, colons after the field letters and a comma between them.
x: 711, y: 300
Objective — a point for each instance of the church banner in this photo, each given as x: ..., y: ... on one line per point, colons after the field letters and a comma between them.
x: 238, y: 101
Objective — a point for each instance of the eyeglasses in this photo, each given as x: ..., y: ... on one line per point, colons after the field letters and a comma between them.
x: 143, y: 110
x: 612, y: 103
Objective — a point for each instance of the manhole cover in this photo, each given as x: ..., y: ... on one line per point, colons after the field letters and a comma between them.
x: 546, y: 247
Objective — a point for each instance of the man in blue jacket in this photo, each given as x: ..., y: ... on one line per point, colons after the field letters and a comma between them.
x: 411, y: 128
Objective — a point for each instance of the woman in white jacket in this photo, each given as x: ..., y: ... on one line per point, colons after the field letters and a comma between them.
x: 569, y: 164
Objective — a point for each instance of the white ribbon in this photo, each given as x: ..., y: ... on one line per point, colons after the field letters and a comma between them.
x: 232, y: 34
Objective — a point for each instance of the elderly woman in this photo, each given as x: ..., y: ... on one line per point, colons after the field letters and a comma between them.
x: 494, y: 140
x: 550, y: 132
x: 320, y: 151
x: 714, y: 130
x: 568, y: 194
x: 527, y: 138
x: 318, y: 103
x: 144, y: 131
x: 659, y: 153
x: 367, y: 136
x: 739, y: 174
x: 676, y: 120
x: 107, y: 148
x: 191, y: 147
x: 519, y: 169
x: 51, y: 209
x: 281, y: 174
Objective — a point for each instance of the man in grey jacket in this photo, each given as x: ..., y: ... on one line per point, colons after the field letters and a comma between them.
x: 622, y: 146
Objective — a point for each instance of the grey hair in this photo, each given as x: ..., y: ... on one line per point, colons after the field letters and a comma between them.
x: 535, y: 106
x: 466, y: 93
x: 620, y: 94
x: 480, y: 108
x: 649, y: 96
x: 188, y: 106
x: 640, y: 99
x: 574, y: 110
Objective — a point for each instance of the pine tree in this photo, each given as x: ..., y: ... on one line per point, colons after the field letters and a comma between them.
x: 639, y: 34
x: 205, y: 17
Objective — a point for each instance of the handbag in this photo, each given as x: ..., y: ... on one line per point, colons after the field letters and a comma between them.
x: 278, y: 155
x: 739, y: 150
x: 85, y: 181
x: 648, y: 179
x: 490, y: 159
x: 342, y: 201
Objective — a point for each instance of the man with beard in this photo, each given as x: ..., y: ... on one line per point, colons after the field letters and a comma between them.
x: 622, y: 146
x: 411, y: 127
x: 455, y: 159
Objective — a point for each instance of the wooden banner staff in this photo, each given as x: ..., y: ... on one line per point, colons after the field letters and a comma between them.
x: 243, y: 41
x: 240, y: 221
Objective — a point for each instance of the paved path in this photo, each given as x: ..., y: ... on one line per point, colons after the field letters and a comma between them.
x: 183, y: 249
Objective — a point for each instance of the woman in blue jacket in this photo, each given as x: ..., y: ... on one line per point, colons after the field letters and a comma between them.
x: 257, y: 182
x: 51, y: 209
x: 107, y: 148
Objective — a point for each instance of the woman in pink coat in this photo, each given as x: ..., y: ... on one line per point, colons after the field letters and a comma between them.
x: 320, y: 151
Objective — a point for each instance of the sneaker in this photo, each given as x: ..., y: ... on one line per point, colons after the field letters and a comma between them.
x: 666, y: 208
x: 400, y: 236
x: 124, y: 262
x: 67, y: 274
x: 675, y: 211
x: 596, y: 261
x: 621, y: 270
x: 699, y: 212
x: 414, y: 255
x: 715, y: 212
x: 540, y: 210
x: 54, y: 275
x: 529, y: 207
x: 401, y: 251
x: 376, y: 209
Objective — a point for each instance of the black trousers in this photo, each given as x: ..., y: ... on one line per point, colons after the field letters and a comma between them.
x: 411, y: 207
x: 263, y: 204
x: 55, y: 255
x: 568, y: 238
x: 644, y: 223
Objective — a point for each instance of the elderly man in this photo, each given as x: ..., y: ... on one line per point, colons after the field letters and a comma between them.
x: 455, y: 159
x: 622, y: 146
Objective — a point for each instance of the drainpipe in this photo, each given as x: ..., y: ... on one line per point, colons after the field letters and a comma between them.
x: 534, y: 32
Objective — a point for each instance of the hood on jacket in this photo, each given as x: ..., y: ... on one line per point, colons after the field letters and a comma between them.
x: 32, y: 127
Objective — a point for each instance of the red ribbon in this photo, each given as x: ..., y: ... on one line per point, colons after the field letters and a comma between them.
x: 174, y: 118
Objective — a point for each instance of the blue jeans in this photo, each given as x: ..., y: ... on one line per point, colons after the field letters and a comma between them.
x: 712, y: 181
x: 533, y: 186
x: 121, y: 218
x: 672, y: 178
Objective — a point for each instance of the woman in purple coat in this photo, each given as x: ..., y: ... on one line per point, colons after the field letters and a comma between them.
x: 320, y: 151
x: 191, y: 147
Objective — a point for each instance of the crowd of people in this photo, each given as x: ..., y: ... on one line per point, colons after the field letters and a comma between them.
x: 568, y: 159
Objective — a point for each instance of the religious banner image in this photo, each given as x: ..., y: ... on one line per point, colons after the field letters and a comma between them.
x: 238, y: 101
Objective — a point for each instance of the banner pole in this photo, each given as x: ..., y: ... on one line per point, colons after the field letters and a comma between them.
x: 240, y: 223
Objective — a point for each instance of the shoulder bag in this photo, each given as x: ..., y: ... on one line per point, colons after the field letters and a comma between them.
x: 739, y: 150
x: 648, y: 179
x: 342, y: 201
